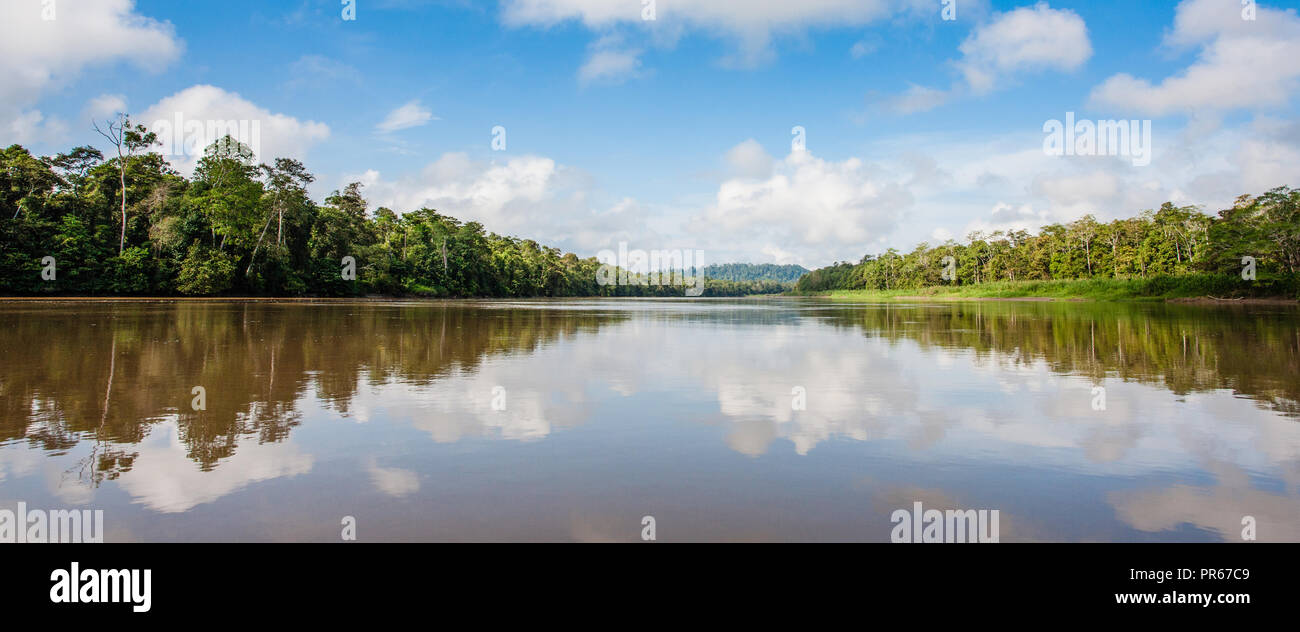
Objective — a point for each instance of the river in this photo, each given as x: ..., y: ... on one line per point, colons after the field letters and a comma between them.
x: 736, y: 420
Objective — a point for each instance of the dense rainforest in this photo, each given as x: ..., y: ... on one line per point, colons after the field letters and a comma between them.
x: 1168, y: 246
x: 755, y: 272
x: 80, y: 224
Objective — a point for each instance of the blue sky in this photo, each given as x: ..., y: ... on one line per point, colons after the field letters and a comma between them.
x: 676, y: 132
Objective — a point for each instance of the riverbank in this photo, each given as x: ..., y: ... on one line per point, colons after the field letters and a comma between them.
x: 372, y: 298
x: 1204, y: 288
x: 228, y: 299
x: 1193, y: 288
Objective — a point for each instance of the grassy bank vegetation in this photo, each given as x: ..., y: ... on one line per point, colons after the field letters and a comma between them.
x: 1100, y: 289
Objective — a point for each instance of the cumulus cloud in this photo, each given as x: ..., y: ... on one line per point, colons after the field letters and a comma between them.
x: 269, y: 134
x: 821, y: 209
x: 1078, y: 188
x: 105, y: 106
x: 41, y: 55
x: 751, y: 25
x: 613, y: 65
x: 530, y: 196
x: 1194, y: 164
x: 750, y: 160
x: 610, y: 61
x: 411, y: 114
x: 1271, y: 157
x: 1005, y: 217
x: 456, y: 184
x: 1027, y: 39
x: 1021, y: 190
x: 800, y: 209
x: 1241, y: 63
x: 33, y: 126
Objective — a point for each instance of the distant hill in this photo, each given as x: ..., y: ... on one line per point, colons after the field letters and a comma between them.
x: 755, y: 272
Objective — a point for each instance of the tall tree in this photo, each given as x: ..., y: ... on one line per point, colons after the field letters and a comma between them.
x: 128, y: 140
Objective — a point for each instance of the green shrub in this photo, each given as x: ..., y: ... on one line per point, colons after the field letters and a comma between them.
x: 205, y: 271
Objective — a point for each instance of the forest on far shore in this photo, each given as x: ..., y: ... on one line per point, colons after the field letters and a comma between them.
x: 1173, y: 244
x: 130, y: 225
x: 83, y: 224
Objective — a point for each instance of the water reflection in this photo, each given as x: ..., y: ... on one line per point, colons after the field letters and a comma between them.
x: 257, y: 363
x: 453, y: 420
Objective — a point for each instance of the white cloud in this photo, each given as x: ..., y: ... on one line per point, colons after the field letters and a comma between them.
x: 1195, y: 164
x: 105, y: 106
x: 41, y: 55
x: 1005, y: 217
x: 1269, y: 159
x: 610, y: 61
x: 1218, y: 508
x: 165, y: 479
x: 395, y: 482
x: 722, y: 14
x: 32, y: 126
x: 751, y: 24
x: 862, y: 48
x: 800, y: 209
x: 412, y: 114
x: 1078, y: 188
x: 461, y: 404
x: 527, y: 196
x: 458, y: 185
x: 1027, y: 39
x: 750, y: 160
x: 822, y: 210
x: 270, y: 135
x: 779, y: 256
x: 1242, y: 64
x: 609, y: 65
x: 919, y: 99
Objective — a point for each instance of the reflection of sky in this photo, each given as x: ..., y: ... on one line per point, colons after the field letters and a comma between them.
x: 163, y: 477
x: 668, y: 396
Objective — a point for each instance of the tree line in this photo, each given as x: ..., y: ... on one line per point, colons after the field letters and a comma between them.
x: 755, y: 272
x: 81, y: 223
x: 1261, y: 233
